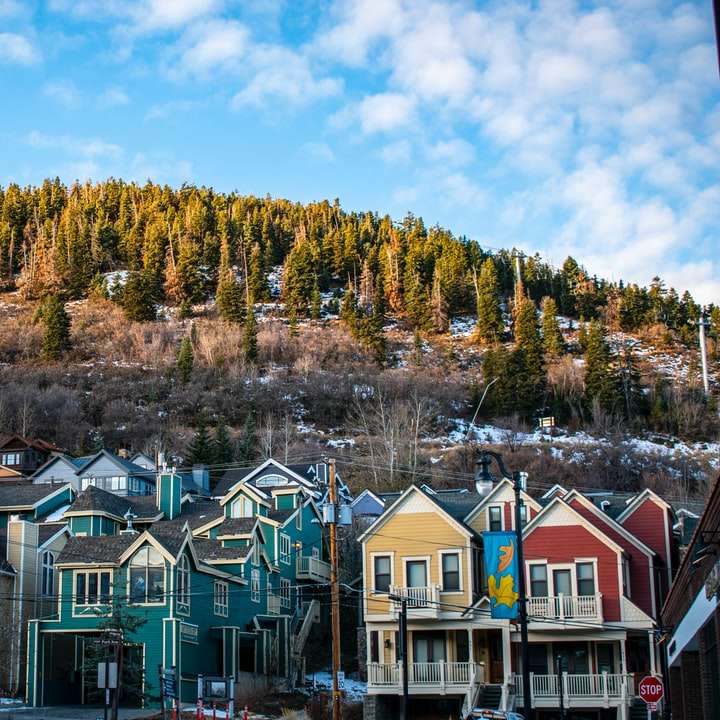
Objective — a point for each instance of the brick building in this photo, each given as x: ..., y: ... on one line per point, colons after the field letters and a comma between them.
x: 691, y: 615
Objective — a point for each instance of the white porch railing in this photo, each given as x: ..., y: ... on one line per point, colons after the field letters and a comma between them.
x: 560, y: 607
x: 596, y: 689
x: 310, y: 568
x: 421, y: 601
x: 274, y: 604
x: 439, y: 676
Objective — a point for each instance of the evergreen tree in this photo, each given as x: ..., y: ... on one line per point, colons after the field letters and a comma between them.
x: 250, y: 346
x: 498, y: 366
x: 247, y: 445
x: 600, y: 376
x: 137, y: 297
x: 553, y: 342
x: 223, y: 450
x: 201, y: 449
x: 185, y: 360
x: 230, y: 298
x: 489, y: 315
x: 56, y: 324
x: 315, y: 301
x: 349, y: 307
x: 440, y: 318
x: 582, y: 334
x: 528, y: 358
x: 632, y: 391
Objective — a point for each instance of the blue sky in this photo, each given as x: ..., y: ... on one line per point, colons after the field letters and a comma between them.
x: 558, y: 127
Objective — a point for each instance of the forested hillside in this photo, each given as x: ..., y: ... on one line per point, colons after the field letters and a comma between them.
x: 362, y: 328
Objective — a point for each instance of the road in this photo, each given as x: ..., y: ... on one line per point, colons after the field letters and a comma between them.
x: 64, y: 713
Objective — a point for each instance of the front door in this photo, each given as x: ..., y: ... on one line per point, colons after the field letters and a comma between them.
x: 495, y: 656
x: 429, y: 647
x: 416, y: 576
x: 572, y: 657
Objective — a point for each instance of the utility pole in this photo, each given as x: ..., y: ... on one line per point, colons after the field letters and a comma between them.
x: 404, y: 651
x: 702, y: 324
x: 558, y: 663
x: 335, y: 595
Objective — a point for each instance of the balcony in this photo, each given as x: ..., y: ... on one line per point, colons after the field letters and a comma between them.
x: 310, y: 568
x: 424, y: 678
x: 274, y: 604
x: 562, y: 607
x: 422, y: 602
x: 599, y: 690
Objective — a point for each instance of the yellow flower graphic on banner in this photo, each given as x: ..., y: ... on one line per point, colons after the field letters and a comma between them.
x: 503, y: 593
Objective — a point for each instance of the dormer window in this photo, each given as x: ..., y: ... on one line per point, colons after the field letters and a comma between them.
x: 242, y: 508
x: 183, y: 588
x: 495, y: 518
x: 271, y: 481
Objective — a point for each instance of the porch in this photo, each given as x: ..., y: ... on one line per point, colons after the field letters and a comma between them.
x: 588, y: 690
x: 564, y: 607
x: 433, y: 678
x: 312, y: 568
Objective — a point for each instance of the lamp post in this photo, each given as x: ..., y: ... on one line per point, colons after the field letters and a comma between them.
x: 483, y: 483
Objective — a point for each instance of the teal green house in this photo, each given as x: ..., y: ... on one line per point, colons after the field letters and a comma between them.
x: 220, y: 586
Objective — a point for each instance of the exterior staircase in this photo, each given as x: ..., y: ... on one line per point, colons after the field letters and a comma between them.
x: 301, y: 631
x: 484, y: 696
x: 638, y: 710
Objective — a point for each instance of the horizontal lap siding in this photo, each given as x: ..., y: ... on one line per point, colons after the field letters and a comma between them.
x: 648, y: 523
x: 562, y: 544
x: 416, y: 535
x: 639, y: 563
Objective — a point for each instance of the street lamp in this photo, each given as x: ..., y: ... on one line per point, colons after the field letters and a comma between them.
x: 484, y: 481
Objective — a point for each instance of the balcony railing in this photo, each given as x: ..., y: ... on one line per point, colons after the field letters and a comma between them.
x: 421, y: 601
x: 274, y: 604
x: 560, y: 607
x: 601, y: 689
x: 311, y: 568
x: 423, y: 677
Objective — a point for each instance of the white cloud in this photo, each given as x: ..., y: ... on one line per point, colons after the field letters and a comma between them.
x: 452, y: 152
x: 317, y: 151
x: 385, y: 111
x: 214, y: 45
x: 18, y: 49
x: 11, y: 8
x: 162, y: 14
x: 396, y: 153
x: 113, y: 97
x: 459, y: 190
x: 160, y: 111
x: 62, y: 92
x: 85, y: 147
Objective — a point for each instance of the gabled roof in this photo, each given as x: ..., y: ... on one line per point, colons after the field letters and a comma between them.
x: 558, y: 505
x: 122, y: 464
x: 556, y: 489
x: 49, y: 531
x: 235, y: 477
x: 236, y: 526
x: 74, y: 464
x: 638, y: 500
x: 209, y: 550
x: 451, y: 512
x: 94, y: 549
x: 24, y: 496
x: 195, y: 514
x: 34, y: 443
x: 499, y: 487
x: 368, y: 493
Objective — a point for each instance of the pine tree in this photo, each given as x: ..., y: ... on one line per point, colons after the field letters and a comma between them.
x: 600, y: 377
x: 223, y: 450
x: 552, y: 336
x: 582, y: 334
x: 489, y: 315
x: 497, y: 366
x: 250, y: 346
x: 185, y: 360
x: 315, y: 301
x: 246, y: 451
x: 230, y: 298
x: 200, y: 451
x: 349, y: 307
x: 440, y: 318
x: 632, y: 391
x: 137, y: 297
x: 56, y: 323
x: 528, y: 357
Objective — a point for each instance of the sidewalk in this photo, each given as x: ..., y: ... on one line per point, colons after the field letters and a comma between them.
x: 65, y: 713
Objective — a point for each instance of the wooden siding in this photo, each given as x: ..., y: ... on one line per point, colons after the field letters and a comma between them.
x: 564, y: 543
x: 649, y: 524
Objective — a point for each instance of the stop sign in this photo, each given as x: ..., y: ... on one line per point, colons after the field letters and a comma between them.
x: 651, y: 689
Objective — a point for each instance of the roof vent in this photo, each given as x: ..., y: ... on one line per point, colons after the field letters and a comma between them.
x: 129, y: 517
x: 604, y: 505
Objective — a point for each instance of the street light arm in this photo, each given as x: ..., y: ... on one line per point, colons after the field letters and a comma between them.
x: 498, y: 459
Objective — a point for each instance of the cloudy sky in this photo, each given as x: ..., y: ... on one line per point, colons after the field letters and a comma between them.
x: 558, y: 127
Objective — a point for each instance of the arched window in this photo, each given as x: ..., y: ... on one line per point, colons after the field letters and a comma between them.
x: 147, y: 576
x: 183, y: 584
x: 48, y: 574
x: 242, y: 508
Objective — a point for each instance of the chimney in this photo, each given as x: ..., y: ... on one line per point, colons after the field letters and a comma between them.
x: 168, y: 489
x: 201, y: 476
x: 124, y: 453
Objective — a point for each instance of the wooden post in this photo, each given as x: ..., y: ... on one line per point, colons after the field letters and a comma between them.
x: 335, y: 595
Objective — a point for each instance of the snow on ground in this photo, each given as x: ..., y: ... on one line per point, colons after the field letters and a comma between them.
x: 565, y: 445
x: 462, y: 326
x: 115, y: 280
x: 274, y: 280
x: 355, y: 690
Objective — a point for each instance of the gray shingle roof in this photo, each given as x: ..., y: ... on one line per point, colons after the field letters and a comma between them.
x: 99, y: 500
x: 236, y: 526
x: 93, y: 549
x: 213, y: 550
x: 280, y: 515
x: 195, y: 514
x: 47, y: 530
x: 24, y: 494
x: 170, y: 538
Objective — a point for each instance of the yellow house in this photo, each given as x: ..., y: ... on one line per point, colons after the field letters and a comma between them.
x: 422, y: 550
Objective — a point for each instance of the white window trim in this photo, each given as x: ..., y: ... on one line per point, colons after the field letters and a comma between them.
x: 183, y: 568
x: 596, y: 582
x: 389, y: 554
x: 441, y: 554
x: 256, y: 553
x: 255, y: 586
x: 165, y: 585
x: 50, y: 568
x: 285, y: 594
x: 96, y: 605
x: 528, y: 516
x: 299, y: 515
x: 501, y: 507
x: 418, y: 558
x: 528, y: 577
x: 221, y: 608
x: 551, y: 577
x: 285, y: 553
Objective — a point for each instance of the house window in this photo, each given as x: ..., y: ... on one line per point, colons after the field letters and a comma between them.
x: 538, y: 581
x: 381, y: 566
x: 256, y: 553
x: 298, y: 517
x: 92, y: 588
x: 242, y: 508
x: 451, y: 572
x: 48, y: 574
x: 12, y: 459
x: 374, y: 646
x: 183, y: 588
x: 285, y: 549
x: 147, y: 576
x: 495, y: 518
x: 523, y: 515
x: 284, y: 593
x: 585, y: 579
x: 220, y: 598
x: 255, y: 586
